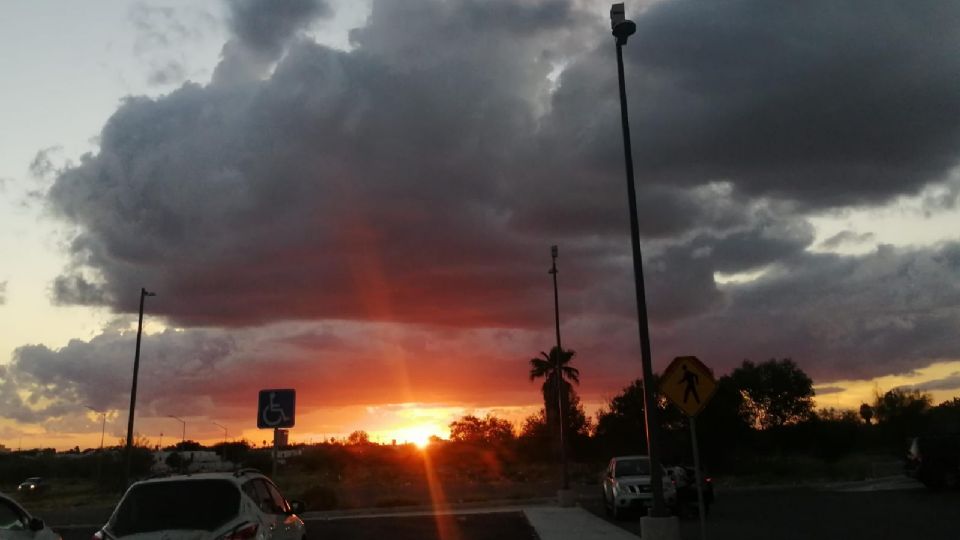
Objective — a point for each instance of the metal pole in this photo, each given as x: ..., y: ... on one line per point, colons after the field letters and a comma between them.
x: 273, y: 474
x: 699, y: 478
x: 103, y: 428
x: 133, y: 390
x: 650, y: 406
x: 556, y: 316
x: 183, y: 435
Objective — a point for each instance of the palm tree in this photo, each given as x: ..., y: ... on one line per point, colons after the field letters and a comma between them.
x: 550, y: 366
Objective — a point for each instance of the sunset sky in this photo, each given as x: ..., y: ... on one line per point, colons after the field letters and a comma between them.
x: 357, y: 200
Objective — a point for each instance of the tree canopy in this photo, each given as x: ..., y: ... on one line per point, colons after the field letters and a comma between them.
x: 775, y: 393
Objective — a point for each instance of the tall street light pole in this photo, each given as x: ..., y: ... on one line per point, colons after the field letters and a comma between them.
x: 622, y: 29
x: 559, y: 368
x: 103, y: 428
x: 133, y: 390
x: 183, y: 436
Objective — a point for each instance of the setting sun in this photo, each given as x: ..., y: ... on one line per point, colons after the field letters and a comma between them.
x: 418, y: 435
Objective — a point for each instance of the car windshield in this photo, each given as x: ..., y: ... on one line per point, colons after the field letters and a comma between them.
x: 32, y: 479
x: 632, y: 467
x: 176, y: 505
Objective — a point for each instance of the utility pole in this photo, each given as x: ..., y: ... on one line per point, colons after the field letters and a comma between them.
x: 559, y: 371
x: 133, y: 390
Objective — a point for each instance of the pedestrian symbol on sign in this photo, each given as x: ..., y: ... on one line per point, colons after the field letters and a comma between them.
x: 688, y: 383
x: 690, y: 379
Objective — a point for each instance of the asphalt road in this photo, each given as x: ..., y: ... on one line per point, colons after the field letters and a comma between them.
x: 499, y: 526
x: 785, y: 514
x: 820, y: 514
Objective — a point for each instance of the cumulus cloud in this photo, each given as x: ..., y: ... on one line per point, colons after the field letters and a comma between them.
x: 838, y: 316
x: 420, y: 177
x: 828, y: 105
x: 211, y: 371
x: 261, y: 31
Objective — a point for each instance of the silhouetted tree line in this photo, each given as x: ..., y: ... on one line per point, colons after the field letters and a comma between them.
x: 760, y: 411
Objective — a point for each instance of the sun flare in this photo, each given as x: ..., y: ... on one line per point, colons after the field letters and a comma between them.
x: 418, y: 435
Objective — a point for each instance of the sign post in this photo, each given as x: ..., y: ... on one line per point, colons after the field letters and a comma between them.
x: 689, y: 384
x: 276, y: 410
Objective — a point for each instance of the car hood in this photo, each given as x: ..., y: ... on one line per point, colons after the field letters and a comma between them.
x: 173, y: 535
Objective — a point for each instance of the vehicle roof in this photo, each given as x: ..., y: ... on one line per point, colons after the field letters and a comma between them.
x: 235, y: 478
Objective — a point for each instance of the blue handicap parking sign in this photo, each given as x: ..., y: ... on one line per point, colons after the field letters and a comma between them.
x: 276, y: 408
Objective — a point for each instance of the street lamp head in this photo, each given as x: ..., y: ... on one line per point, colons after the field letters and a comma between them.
x: 147, y: 293
x: 622, y: 28
x: 553, y: 251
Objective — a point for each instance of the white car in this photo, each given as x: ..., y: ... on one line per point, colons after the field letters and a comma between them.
x: 245, y: 505
x: 626, y: 485
x: 17, y: 524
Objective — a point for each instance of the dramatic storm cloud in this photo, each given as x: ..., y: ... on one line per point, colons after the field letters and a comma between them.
x: 420, y: 177
x: 197, y: 372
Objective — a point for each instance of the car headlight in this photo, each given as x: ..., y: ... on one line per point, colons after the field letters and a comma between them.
x: 32, y: 486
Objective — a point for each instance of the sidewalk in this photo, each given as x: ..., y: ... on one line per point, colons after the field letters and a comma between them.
x: 550, y: 522
x: 553, y: 523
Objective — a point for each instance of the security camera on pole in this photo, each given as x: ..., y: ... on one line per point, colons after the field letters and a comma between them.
x: 659, y: 525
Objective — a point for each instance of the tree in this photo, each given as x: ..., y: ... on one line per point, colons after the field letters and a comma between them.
x: 775, y: 393
x: 866, y: 412
x: 488, y: 430
x: 358, y: 437
x: 901, y: 413
x: 551, y: 367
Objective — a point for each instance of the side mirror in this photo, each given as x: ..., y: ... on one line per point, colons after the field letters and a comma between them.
x: 297, y: 507
x: 36, y: 524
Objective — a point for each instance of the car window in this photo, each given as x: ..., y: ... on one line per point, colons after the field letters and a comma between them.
x: 250, y: 490
x: 278, y: 500
x: 186, y: 505
x: 633, y: 467
x: 11, y: 519
x: 264, y: 498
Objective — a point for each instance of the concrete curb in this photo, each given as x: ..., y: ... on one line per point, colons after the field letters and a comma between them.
x: 575, y: 523
x: 506, y: 505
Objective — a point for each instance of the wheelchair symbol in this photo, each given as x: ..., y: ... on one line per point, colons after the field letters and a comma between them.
x: 273, y: 414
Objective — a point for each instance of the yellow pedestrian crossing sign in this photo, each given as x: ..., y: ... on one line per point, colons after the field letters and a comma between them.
x: 688, y: 383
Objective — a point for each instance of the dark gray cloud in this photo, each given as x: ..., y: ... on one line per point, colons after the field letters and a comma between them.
x: 826, y: 390
x: 847, y: 237
x: 821, y: 103
x: 261, y: 31
x: 266, y: 26
x: 838, y: 316
x: 950, y: 382
x: 421, y: 176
